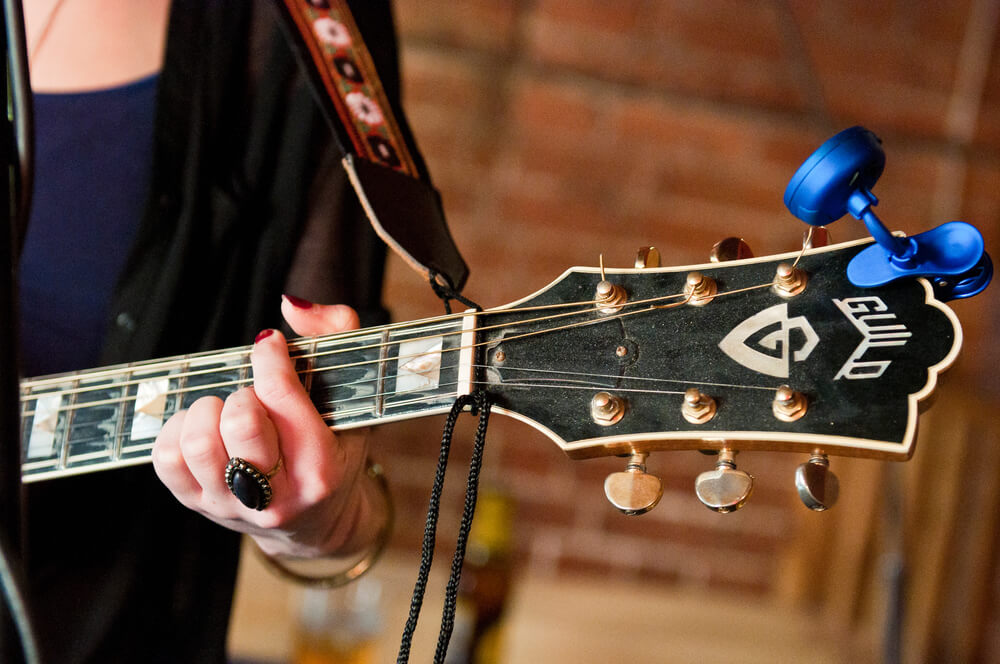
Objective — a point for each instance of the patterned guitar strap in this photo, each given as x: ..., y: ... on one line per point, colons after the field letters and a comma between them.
x: 389, y: 179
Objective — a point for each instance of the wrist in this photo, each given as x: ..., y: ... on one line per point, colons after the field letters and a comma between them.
x: 355, y: 555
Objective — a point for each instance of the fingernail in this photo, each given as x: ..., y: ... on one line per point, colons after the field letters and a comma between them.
x: 298, y: 302
x: 264, y: 334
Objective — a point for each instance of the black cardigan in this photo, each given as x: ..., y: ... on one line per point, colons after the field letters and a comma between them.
x: 248, y: 201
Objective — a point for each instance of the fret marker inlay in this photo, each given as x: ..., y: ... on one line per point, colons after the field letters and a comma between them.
x: 150, y: 406
x: 42, y: 442
x: 419, y: 365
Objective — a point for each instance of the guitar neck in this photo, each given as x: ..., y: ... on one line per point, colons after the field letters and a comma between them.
x: 105, y: 418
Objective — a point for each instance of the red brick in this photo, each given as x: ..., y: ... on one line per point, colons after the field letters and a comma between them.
x: 674, y: 123
x: 474, y: 24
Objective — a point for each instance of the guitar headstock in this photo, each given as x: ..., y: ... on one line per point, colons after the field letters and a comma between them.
x: 775, y: 353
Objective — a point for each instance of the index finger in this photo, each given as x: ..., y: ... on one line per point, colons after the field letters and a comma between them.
x: 303, y: 435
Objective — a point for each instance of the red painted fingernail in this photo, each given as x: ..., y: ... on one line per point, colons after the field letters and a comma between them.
x: 264, y: 334
x: 298, y: 302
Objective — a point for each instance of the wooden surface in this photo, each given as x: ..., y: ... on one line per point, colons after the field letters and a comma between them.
x: 571, y: 620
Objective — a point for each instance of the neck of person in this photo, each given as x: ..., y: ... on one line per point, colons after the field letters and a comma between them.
x: 86, y: 45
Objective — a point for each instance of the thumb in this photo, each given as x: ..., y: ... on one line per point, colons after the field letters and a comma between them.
x: 308, y: 319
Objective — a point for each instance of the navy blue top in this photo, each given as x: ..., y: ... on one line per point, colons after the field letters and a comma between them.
x: 93, y: 155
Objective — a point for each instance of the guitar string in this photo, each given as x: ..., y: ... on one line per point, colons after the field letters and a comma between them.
x: 76, y: 405
x: 300, y: 344
x: 563, y: 379
x: 562, y: 385
x: 248, y: 381
x: 153, y: 366
x: 28, y: 385
x: 109, y: 443
x: 164, y: 364
x: 381, y: 395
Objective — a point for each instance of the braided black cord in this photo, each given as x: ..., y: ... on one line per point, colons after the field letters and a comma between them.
x: 481, y: 403
x: 444, y: 289
x: 430, y: 529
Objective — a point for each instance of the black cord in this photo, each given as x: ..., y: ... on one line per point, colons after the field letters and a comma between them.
x: 445, y: 290
x: 477, y: 401
x: 482, y: 403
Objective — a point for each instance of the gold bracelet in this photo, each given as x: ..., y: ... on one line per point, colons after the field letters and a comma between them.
x: 341, y: 578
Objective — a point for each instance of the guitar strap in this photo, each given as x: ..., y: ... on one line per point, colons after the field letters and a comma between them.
x: 380, y: 156
x: 385, y: 169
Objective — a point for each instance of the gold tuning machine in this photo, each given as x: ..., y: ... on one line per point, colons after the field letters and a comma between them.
x: 699, y: 289
x: 724, y: 489
x: 817, y: 485
x: 730, y: 249
x: 634, y: 491
x: 647, y: 257
x: 815, y: 237
x: 789, y: 280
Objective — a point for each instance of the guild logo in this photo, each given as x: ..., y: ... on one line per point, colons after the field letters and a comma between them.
x: 879, y: 328
x: 763, y: 342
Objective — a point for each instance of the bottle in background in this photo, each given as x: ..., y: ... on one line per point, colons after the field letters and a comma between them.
x: 486, y: 581
x: 339, y: 626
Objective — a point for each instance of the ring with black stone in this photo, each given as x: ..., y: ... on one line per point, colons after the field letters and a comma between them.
x: 249, y: 484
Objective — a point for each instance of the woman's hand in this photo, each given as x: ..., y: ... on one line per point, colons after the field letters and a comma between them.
x: 322, y: 503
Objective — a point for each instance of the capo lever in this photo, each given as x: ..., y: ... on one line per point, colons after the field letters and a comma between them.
x: 837, y: 179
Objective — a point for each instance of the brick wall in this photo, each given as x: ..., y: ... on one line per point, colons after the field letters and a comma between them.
x: 557, y: 131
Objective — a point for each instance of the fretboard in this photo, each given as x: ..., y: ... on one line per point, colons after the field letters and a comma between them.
x: 103, y: 418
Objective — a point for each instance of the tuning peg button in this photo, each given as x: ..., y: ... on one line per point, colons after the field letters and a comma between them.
x: 724, y: 489
x: 817, y: 485
x: 634, y: 491
x: 647, y: 257
x: 730, y: 249
x: 816, y: 236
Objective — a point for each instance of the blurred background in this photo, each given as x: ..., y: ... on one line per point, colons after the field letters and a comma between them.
x: 558, y: 130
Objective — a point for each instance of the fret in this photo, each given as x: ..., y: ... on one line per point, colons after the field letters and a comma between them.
x: 345, y: 379
x: 91, y: 421
x: 305, y: 361
x: 122, y: 411
x: 110, y: 417
x: 44, y: 425
x: 383, y: 360
x: 215, y: 376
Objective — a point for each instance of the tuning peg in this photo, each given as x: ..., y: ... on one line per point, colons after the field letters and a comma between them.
x: 698, y: 407
x: 724, y: 489
x: 634, y: 491
x: 647, y: 257
x: 818, y: 486
x: 730, y: 249
x: 815, y: 237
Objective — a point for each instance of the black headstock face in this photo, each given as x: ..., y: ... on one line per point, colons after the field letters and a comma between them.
x: 857, y: 362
